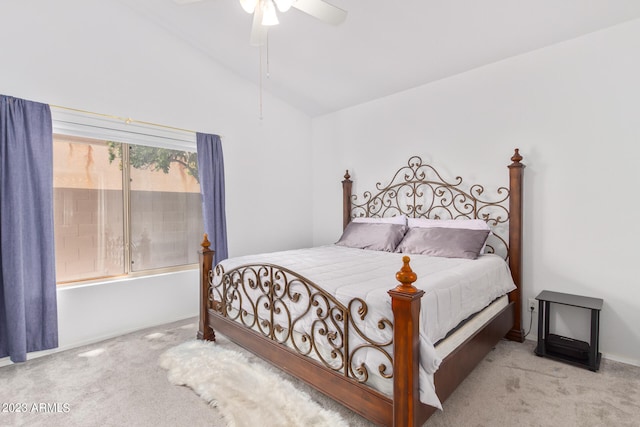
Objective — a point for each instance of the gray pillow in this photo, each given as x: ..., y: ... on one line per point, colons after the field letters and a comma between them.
x: 373, y: 236
x: 444, y: 242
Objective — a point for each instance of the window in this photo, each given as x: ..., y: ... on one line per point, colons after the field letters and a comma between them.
x: 165, y: 206
x: 123, y: 208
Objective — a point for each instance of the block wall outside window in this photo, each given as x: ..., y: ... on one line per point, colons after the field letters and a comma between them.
x: 164, y: 232
x: 88, y: 244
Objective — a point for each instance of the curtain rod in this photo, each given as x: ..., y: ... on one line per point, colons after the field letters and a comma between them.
x: 126, y: 120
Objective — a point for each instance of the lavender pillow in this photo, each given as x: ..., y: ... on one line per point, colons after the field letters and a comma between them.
x: 444, y: 242
x: 373, y: 236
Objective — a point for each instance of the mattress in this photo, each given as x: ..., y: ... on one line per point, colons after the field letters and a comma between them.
x: 446, y: 346
x: 455, y: 289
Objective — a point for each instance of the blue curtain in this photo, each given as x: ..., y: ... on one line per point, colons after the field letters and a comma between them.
x: 211, y: 172
x: 28, y: 309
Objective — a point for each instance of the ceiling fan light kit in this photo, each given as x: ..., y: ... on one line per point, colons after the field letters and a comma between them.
x: 264, y: 14
x: 284, y: 5
x: 249, y: 5
x: 269, y: 17
x: 319, y: 9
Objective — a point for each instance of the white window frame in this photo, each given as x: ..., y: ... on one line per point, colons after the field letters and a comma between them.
x: 103, y: 127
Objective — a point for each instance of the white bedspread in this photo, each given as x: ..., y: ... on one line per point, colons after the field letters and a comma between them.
x: 454, y: 290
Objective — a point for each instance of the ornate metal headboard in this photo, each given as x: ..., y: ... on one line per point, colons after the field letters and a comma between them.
x: 417, y: 190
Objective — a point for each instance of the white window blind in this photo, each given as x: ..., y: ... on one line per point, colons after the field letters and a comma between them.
x: 76, y: 123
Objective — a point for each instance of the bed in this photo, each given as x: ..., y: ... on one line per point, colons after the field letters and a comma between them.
x: 369, y: 355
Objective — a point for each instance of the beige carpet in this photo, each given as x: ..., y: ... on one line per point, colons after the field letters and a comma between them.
x: 119, y: 383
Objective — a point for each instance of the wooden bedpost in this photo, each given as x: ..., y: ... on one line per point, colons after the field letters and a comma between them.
x: 405, y: 303
x: 346, y: 200
x: 515, y: 242
x: 206, y: 264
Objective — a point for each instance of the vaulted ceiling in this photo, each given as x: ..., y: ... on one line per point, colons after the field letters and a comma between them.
x: 383, y: 47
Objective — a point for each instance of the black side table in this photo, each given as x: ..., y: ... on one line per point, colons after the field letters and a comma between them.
x: 578, y: 353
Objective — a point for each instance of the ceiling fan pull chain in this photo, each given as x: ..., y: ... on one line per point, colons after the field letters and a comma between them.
x: 260, y: 84
x: 268, y: 69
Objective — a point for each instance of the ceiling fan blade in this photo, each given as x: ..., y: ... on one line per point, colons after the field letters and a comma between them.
x: 322, y: 10
x: 258, y: 31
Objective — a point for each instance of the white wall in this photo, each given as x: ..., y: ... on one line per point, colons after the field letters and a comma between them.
x: 97, y: 311
x: 572, y: 109
x: 102, y: 57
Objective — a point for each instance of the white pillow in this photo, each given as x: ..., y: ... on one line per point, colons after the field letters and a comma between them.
x: 469, y: 224
x: 400, y: 219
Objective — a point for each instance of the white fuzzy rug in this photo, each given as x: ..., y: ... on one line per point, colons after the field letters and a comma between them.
x: 246, y: 393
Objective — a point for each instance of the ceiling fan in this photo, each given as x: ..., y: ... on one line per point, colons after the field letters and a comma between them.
x: 265, y: 16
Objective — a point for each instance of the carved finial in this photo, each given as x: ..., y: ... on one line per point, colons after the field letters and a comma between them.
x: 346, y: 175
x: 406, y: 276
x: 205, y: 242
x: 516, y: 158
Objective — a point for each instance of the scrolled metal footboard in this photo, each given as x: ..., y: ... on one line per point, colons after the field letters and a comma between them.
x: 291, y: 310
